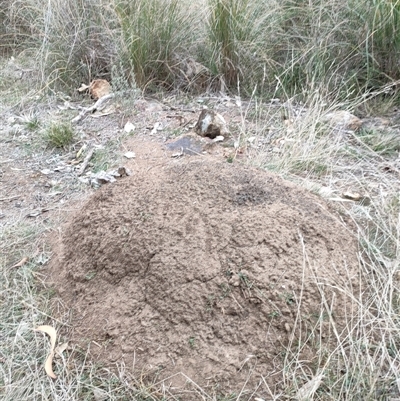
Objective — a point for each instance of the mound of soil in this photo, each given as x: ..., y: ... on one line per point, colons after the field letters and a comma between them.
x: 204, y: 268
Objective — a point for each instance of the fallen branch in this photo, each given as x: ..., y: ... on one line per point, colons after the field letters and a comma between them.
x: 86, y: 161
x: 97, y: 106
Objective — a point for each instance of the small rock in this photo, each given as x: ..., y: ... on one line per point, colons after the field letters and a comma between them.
x: 211, y: 124
x: 218, y: 138
x: 102, y: 177
x: 148, y: 107
x: 84, y: 180
x: 129, y: 127
x: 189, y: 144
x: 62, y: 168
x: 105, y: 177
x: 343, y: 119
x: 362, y: 199
x: 157, y: 127
x: 325, y: 192
x: 238, y: 101
x: 36, y: 213
x: 307, y: 391
x: 235, y: 281
x: 130, y: 155
x: 123, y: 171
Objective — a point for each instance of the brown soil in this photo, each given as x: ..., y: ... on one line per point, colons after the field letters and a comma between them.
x: 205, y: 270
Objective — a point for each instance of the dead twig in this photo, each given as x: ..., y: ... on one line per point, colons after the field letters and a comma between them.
x: 85, y: 162
x: 20, y: 263
x: 97, y: 106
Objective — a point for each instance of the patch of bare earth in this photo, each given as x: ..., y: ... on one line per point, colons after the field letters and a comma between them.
x: 205, y: 272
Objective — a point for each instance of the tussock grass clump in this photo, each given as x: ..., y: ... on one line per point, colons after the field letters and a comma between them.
x: 17, y: 28
x: 152, y: 32
x: 227, y: 30
x: 310, y: 35
x: 239, y: 38
x: 4, y: 32
x: 77, y: 43
x: 308, y: 138
x: 342, y: 49
x: 59, y: 135
x: 73, y: 40
x: 31, y: 122
x: 382, y: 42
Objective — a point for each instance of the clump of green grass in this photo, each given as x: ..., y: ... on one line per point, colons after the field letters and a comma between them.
x: 383, y: 143
x: 59, y: 134
x: 31, y: 122
x: 321, y: 45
